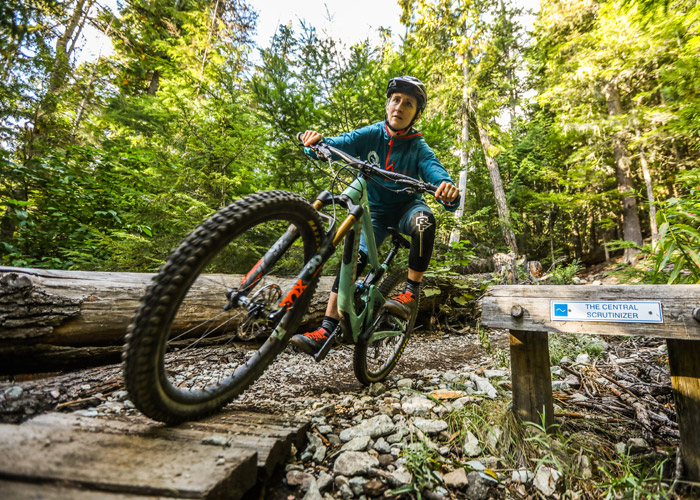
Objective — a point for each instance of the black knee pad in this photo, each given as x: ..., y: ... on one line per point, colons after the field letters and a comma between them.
x: 422, y: 240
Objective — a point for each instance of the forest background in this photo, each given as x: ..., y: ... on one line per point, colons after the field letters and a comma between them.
x: 577, y: 138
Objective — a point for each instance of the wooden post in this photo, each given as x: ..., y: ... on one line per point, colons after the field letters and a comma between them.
x: 683, y: 359
x: 532, y: 381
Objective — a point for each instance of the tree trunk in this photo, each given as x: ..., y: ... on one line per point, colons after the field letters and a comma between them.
x: 455, y: 236
x: 56, y: 80
x: 155, y: 83
x: 59, y: 319
x: 631, y: 229
x: 650, y: 195
x: 497, y: 183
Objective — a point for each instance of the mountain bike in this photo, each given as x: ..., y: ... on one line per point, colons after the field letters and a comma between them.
x: 190, y: 351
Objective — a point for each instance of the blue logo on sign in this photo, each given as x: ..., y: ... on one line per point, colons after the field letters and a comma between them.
x: 561, y: 310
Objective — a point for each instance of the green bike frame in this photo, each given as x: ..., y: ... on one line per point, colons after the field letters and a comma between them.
x: 353, y: 324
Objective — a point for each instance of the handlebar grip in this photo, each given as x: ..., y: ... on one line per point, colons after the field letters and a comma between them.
x: 431, y: 188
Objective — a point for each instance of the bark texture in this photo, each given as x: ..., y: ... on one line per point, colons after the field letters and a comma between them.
x: 631, y: 228
x: 65, y: 319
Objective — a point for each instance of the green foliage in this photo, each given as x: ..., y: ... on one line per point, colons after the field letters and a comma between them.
x: 633, y: 478
x: 421, y: 461
x: 675, y: 258
x: 107, y: 164
x: 563, y: 345
x: 564, y: 275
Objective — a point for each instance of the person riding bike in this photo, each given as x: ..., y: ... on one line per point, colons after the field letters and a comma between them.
x: 396, y: 146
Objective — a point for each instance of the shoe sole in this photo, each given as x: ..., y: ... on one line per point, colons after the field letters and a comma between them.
x: 301, y: 345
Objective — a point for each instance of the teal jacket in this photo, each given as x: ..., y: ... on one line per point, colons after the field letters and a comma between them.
x: 406, y: 154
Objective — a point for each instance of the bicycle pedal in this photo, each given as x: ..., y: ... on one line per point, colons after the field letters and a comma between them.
x: 327, y: 346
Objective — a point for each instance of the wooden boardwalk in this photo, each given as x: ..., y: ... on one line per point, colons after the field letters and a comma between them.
x: 68, y: 456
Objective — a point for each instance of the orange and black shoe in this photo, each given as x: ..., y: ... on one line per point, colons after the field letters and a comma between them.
x: 310, y: 342
x: 402, y: 305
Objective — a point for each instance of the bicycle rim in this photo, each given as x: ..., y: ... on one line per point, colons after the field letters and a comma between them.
x: 375, y: 358
x: 186, y: 354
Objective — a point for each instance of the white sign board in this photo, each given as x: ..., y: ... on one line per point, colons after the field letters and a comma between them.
x: 606, y: 311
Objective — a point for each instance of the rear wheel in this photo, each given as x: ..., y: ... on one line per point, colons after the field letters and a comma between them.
x: 379, y: 348
x: 189, y: 349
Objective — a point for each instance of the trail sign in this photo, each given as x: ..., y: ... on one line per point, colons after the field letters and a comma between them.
x: 607, y: 311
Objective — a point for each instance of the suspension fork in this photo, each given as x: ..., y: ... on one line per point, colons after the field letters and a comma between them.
x: 267, y: 262
x: 328, y: 247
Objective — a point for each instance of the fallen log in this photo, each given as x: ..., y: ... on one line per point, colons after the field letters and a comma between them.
x: 52, y: 319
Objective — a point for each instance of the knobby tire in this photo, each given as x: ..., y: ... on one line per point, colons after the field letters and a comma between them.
x: 153, y: 387
x: 373, y: 361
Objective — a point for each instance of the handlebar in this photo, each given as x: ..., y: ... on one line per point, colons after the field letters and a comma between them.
x: 326, y: 151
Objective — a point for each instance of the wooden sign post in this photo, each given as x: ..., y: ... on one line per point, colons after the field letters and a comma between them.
x: 667, y: 311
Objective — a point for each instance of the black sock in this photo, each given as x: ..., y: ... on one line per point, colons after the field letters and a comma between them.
x: 329, y: 323
x: 412, y: 286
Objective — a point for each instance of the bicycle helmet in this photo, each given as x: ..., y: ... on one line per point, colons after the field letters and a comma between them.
x: 409, y: 85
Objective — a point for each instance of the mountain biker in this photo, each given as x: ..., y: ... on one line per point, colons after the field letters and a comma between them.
x: 394, y: 145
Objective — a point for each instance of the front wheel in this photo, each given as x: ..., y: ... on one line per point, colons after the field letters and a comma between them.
x: 191, y: 348
x: 380, y: 346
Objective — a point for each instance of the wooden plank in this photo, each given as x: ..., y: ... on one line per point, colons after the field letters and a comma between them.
x: 272, y: 442
x: 678, y: 303
x: 684, y: 362
x: 125, y: 463
x: 15, y: 490
x: 532, y: 382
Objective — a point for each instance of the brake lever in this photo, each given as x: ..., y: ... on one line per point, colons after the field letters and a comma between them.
x: 322, y: 151
x: 320, y: 148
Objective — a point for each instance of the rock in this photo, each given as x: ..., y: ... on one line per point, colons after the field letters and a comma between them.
x: 402, y: 475
x: 386, y: 459
x: 572, y: 381
x: 585, y: 469
x: 484, y: 386
x: 430, y: 426
x: 478, y: 486
x: 381, y: 425
x: 523, y: 476
x: 381, y: 446
x: 637, y: 446
x: 14, y: 392
x: 417, y: 405
x: 462, y: 402
x: 352, y: 463
x: 313, y: 492
x: 357, y: 444
x: 472, y: 448
x: 577, y: 397
x: 405, y: 383
x: 559, y: 385
x: 217, y: 440
x: 299, y: 478
x: 495, y: 373
x: 319, y: 455
x: 397, y: 436
x: 475, y: 465
x: 456, y: 479
x: 376, y: 389
x: 374, y: 487
x: 493, y: 437
x: 546, y: 480
x: 621, y: 448
x: 345, y: 491
x: 357, y: 485
x: 583, y: 358
x: 324, y: 480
